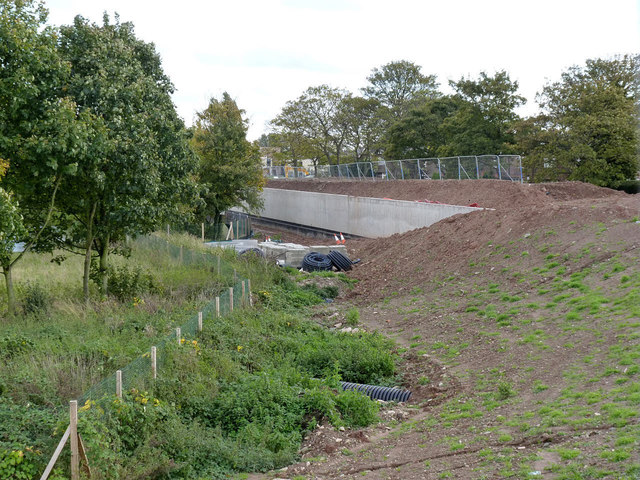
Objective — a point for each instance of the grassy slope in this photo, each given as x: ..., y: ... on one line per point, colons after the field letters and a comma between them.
x: 236, y: 398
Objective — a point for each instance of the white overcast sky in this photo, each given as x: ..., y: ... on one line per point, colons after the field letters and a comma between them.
x: 265, y: 52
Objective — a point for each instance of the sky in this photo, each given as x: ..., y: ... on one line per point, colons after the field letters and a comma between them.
x: 267, y: 52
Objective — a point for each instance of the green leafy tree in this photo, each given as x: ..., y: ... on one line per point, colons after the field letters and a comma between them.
x: 483, y: 122
x: 42, y: 134
x: 230, y: 172
x: 400, y: 86
x: 591, y: 123
x: 138, y: 172
x: 364, y: 124
x: 318, y: 117
x: 420, y: 133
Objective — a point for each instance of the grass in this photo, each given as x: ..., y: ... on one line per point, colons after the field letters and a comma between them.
x: 237, y: 397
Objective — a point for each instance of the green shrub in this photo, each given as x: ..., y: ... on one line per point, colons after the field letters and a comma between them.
x: 353, y: 317
x: 14, y: 464
x: 357, y: 409
x: 35, y: 299
x: 125, y: 283
x: 13, y: 345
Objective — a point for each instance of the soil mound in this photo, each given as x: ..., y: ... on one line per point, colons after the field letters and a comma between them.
x: 486, y: 193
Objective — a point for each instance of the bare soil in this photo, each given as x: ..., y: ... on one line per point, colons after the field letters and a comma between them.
x: 518, y: 330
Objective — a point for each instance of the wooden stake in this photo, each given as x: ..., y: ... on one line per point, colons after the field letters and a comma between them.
x: 83, y: 457
x: 178, y: 335
x: 249, y: 291
x: 168, y: 229
x: 217, y: 307
x: 154, y: 362
x: 230, y: 299
x: 202, y: 232
x: 199, y: 321
x: 56, y: 454
x: 119, y: 383
x: 73, y: 435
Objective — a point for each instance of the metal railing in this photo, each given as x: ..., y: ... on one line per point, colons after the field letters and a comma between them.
x: 468, y: 167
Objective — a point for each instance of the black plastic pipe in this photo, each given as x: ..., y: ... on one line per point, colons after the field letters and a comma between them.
x: 388, y: 394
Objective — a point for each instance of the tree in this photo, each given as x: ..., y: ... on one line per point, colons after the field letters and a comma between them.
x: 484, y: 119
x: 592, y: 119
x: 317, y: 116
x: 42, y: 134
x: 139, y: 170
x: 420, y: 133
x: 364, y: 124
x: 399, y: 86
x: 230, y: 168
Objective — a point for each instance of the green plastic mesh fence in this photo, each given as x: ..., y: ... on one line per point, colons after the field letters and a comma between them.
x: 138, y: 373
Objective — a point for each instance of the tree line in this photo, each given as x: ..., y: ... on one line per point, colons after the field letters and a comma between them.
x: 92, y: 149
x: 586, y: 129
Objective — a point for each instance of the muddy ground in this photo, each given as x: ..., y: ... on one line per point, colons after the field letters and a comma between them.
x: 518, y: 330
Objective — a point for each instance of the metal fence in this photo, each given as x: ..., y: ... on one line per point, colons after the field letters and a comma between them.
x: 470, y: 167
x: 285, y: 171
x: 238, y: 225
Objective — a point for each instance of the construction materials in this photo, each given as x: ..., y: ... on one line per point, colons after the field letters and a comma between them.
x: 340, y: 261
x: 252, y: 251
x: 315, y: 262
x: 375, y: 392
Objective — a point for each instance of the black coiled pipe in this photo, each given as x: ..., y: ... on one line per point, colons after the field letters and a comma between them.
x: 387, y: 394
x: 314, y: 262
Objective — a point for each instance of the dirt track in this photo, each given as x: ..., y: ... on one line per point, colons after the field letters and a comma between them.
x: 518, y: 327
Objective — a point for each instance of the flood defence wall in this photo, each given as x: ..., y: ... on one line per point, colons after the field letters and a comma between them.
x: 362, y: 216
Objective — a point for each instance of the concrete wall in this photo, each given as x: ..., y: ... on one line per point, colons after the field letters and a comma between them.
x: 363, y: 216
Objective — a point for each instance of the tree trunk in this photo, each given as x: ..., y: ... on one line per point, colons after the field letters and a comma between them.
x: 11, y: 295
x: 87, y: 255
x: 87, y: 271
x: 104, y: 266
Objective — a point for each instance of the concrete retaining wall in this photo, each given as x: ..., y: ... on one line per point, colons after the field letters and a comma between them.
x: 363, y: 216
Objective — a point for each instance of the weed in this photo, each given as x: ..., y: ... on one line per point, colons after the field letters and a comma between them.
x: 505, y: 391
x: 353, y: 317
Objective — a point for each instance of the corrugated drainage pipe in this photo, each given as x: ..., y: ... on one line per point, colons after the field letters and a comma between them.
x: 388, y: 394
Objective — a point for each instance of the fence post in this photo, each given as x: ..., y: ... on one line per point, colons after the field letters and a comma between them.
x: 249, y: 291
x: 401, y: 169
x: 499, y: 169
x: 459, y: 177
x: 73, y: 435
x: 419, y: 170
x: 521, y: 173
x: 199, y: 321
x: 439, y: 170
x: 168, y: 229
x: 477, y: 169
x: 178, y: 335
x: 217, y: 307
x: 231, y: 299
x: 202, y: 232
x: 119, y: 383
x: 154, y: 364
